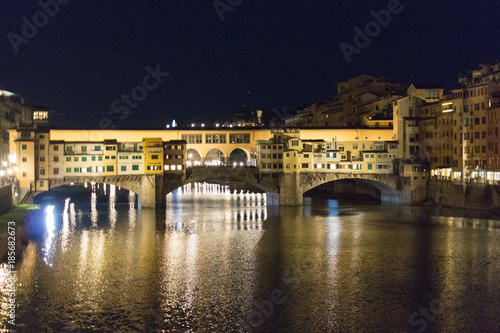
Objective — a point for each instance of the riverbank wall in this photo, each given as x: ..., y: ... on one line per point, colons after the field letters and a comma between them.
x: 470, y: 196
x: 7, y: 197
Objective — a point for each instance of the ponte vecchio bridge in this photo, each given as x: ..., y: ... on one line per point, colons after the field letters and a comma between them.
x: 43, y: 160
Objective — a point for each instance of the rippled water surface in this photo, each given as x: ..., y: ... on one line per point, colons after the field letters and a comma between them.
x: 221, y: 262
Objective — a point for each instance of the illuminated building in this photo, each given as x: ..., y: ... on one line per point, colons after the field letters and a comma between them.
x: 153, y: 155
x: 288, y: 151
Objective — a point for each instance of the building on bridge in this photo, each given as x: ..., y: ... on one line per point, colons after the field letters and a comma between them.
x: 287, y: 152
x: 41, y: 160
x: 175, y: 156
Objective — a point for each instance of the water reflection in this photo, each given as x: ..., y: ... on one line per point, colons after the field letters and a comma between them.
x: 213, y: 258
x: 50, y: 227
x: 236, y: 211
x: 65, y: 229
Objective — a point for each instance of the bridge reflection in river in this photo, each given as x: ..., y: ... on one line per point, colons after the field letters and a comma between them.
x: 247, y: 210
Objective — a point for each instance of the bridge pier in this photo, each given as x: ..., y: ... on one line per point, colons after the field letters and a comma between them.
x: 155, y: 189
x: 290, y: 190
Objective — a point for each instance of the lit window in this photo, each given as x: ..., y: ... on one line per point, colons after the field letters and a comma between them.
x: 40, y: 115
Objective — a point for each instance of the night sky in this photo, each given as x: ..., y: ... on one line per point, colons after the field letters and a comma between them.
x: 264, y: 54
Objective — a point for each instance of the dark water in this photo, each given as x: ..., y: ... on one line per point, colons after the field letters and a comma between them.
x: 219, y: 262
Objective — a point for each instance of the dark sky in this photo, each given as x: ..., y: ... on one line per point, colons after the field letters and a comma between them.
x: 264, y: 54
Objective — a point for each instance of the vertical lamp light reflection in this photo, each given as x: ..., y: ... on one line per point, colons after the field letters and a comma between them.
x: 65, y: 230
x: 112, y: 209
x: 132, y: 213
x: 72, y: 215
x: 93, y: 209
x: 51, y: 226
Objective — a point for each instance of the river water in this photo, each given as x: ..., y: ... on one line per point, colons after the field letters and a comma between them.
x: 217, y: 261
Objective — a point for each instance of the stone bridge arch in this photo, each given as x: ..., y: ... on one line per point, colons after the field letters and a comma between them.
x: 249, y: 175
x: 131, y: 183
x: 393, y: 189
x: 151, y: 189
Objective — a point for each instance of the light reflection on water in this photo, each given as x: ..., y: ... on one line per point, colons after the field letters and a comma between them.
x: 213, y: 257
x: 50, y: 227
